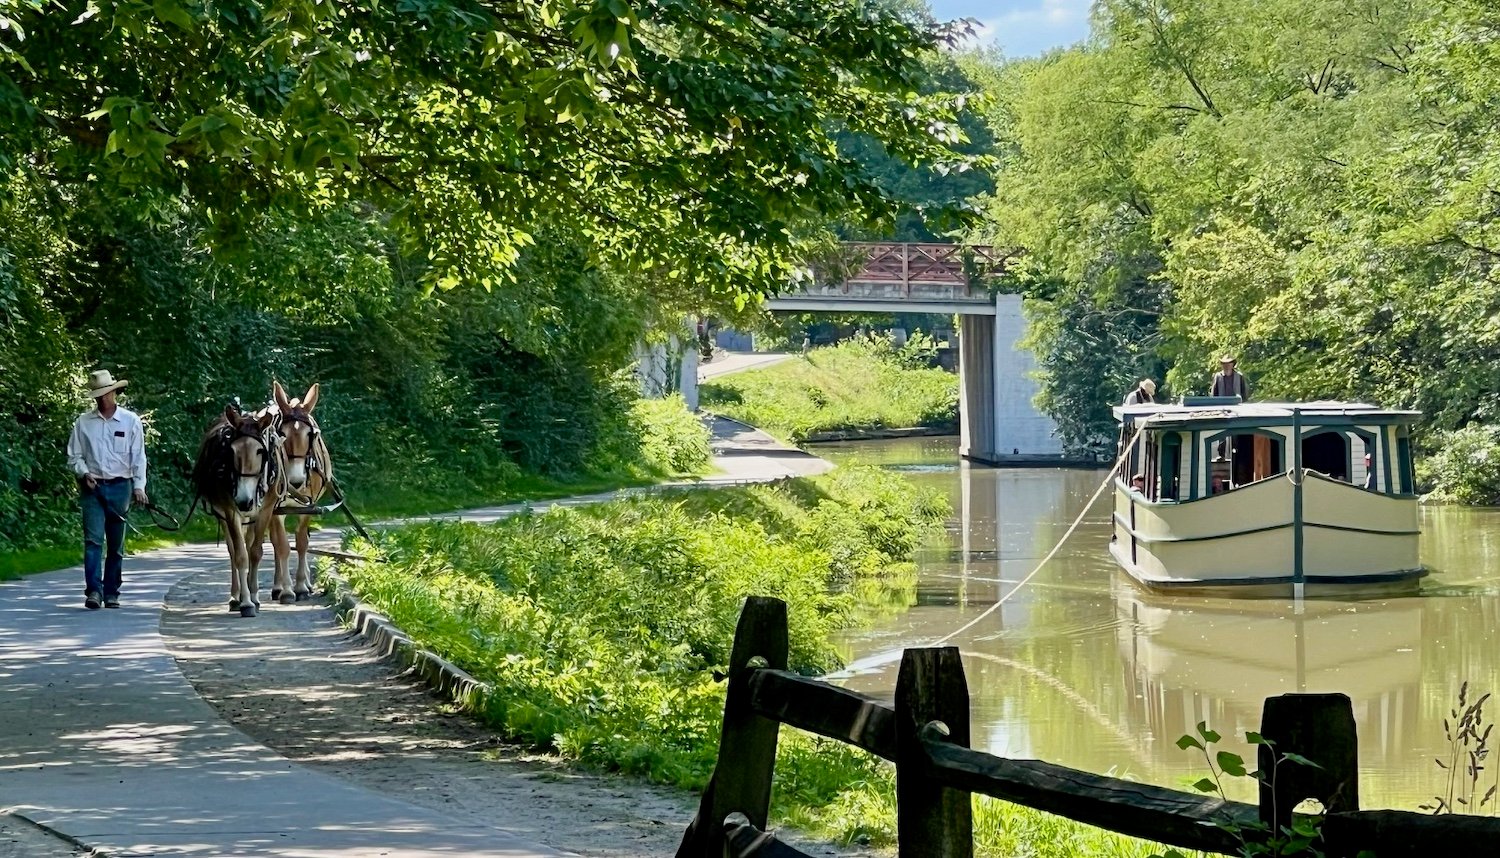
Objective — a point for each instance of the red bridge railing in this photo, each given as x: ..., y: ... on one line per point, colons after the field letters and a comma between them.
x: 913, y: 263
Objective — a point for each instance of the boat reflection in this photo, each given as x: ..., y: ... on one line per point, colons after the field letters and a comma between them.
x: 1196, y: 659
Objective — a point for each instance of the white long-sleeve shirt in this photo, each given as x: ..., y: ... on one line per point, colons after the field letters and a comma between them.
x: 109, y: 448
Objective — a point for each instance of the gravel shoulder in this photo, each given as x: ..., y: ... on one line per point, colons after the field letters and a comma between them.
x: 297, y: 682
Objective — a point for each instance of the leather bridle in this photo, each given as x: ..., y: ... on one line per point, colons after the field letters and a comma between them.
x: 250, y: 428
x: 310, y: 455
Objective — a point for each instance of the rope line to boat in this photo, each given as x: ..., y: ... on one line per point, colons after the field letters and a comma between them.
x: 1124, y: 453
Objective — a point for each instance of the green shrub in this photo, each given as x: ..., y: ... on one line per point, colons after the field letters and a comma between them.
x: 672, y: 439
x: 862, y: 383
x: 1466, y: 467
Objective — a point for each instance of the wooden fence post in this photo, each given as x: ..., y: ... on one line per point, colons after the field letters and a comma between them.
x: 931, y: 821
x: 741, y: 781
x: 1319, y: 727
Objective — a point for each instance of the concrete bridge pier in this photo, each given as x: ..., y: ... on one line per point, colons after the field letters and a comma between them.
x: 997, y: 422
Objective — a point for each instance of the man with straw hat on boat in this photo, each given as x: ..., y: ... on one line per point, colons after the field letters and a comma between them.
x: 1229, y: 381
x: 107, y: 452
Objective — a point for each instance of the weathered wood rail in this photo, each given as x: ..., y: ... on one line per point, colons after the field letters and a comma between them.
x: 926, y: 734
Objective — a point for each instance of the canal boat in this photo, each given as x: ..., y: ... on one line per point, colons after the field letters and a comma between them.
x: 1271, y: 497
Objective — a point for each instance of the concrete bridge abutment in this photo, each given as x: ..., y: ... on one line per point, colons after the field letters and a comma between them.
x: 997, y: 421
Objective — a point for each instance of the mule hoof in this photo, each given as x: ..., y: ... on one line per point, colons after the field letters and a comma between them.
x: 276, y: 595
x: 234, y: 605
x: 303, y: 597
x: 247, y: 610
x: 286, y: 597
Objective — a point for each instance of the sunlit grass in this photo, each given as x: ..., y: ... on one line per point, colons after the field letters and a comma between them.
x: 854, y: 385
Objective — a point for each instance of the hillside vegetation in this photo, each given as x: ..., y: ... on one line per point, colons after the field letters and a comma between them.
x: 861, y: 383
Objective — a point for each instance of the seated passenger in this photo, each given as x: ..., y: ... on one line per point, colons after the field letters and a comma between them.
x: 1143, y: 393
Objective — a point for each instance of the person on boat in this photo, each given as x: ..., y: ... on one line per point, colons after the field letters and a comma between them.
x: 1138, y: 483
x: 1229, y: 381
x: 1143, y: 393
x: 1369, y: 473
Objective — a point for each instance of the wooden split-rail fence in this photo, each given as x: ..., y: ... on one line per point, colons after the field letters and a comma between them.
x: 926, y: 734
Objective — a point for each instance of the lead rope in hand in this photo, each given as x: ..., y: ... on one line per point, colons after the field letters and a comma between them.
x: 1125, y: 452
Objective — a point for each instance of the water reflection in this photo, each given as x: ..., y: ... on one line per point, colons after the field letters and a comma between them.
x: 1085, y: 668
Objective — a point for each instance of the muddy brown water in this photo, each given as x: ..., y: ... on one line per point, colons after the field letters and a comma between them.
x: 1084, y: 668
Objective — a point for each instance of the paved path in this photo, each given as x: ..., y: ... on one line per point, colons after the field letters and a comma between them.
x: 725, y: 363
x: 103, y: 740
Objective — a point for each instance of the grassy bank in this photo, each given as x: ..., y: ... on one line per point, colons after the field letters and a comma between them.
x: 600, y: 629
x: 864, y: 383
x: 668, y: 441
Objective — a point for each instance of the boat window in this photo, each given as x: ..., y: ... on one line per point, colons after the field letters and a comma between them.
x: 1405, y: 485
x: 1362, y: 450
x: 1239, y: 459
x: 1149, y: 466
x: 1171, y: 465
x: 1327, y: 452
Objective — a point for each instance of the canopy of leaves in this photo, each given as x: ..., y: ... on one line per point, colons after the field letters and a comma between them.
x: 693, y: 138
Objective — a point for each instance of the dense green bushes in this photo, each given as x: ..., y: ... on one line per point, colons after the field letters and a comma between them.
x: 862, y: 383
x: 600, y: 626
x: 1267, y: 179
x: 427, y: 400
x: 1466, y: 467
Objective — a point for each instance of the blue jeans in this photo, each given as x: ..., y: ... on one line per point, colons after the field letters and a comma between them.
x: 101, y: 529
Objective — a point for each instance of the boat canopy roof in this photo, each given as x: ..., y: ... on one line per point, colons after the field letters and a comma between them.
x: 1215, y: 412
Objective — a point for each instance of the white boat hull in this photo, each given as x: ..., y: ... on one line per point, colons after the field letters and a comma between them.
x: 1249, y: 536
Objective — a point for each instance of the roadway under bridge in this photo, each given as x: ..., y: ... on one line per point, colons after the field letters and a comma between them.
x: 998, y: 422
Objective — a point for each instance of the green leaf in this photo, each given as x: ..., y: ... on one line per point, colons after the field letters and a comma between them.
x: 1299, y: 759
x: 1255, y: 738
x: 1206, y: 785
x: 1231, y: 764
x: 172, y: 12
x: 1208, y: 735
x: 1185, y: 741
x: 1307, y: 826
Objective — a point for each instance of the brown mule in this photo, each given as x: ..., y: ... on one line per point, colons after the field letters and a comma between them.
x: 239, y: 474
x: 309, y: 470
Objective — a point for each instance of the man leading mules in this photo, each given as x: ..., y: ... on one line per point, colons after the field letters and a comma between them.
x: 107, y: 452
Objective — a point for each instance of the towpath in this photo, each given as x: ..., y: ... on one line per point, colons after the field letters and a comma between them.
x: 106, y: 748
x: 725, y: 363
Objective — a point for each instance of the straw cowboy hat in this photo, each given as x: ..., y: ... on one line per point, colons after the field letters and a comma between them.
x: 1149, y: 386
x: 1227, y: 359
x: 101, y: 382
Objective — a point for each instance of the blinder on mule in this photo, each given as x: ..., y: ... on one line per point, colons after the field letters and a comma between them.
x: 248, y: 427
x: 309, y: 456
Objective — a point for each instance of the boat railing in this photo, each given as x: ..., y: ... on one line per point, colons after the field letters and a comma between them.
x: 926, y: 734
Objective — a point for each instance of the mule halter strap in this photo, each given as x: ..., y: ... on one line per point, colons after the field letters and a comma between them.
x: 267, y: 471
x: 291, y: 418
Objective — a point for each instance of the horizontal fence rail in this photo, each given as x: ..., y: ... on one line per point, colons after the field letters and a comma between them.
x: 926, y: 735
x: 911, y: 263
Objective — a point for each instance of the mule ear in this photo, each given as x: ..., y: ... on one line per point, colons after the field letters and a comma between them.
x: 231, y: 413
x: 279, y: 393
x: 310, y: 398
x: 266, y: 418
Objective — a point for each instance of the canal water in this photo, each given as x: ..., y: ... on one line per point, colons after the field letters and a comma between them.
x: 1084, y: 668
